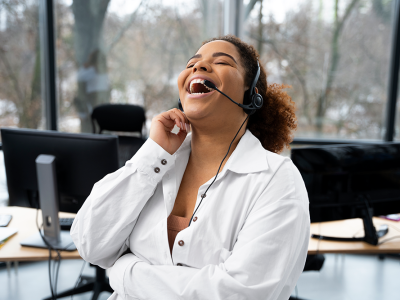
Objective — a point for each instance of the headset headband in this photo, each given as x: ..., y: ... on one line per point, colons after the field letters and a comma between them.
x: 253, y: 84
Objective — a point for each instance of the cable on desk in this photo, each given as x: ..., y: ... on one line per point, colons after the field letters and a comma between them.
x: 389, y: 239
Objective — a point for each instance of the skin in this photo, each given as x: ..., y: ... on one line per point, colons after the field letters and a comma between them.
x: 213, y: 118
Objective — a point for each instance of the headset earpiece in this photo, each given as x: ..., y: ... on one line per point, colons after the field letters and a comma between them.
x: 256, y: 100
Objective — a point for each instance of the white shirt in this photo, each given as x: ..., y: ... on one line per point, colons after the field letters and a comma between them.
x: 249, y: 241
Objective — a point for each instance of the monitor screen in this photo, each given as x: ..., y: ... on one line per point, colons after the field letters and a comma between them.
x: 341, y: 178
x: 81, y: 161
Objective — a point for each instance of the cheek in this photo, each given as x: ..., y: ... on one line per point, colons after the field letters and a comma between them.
x: 237, y: 87
x: 181, y: 79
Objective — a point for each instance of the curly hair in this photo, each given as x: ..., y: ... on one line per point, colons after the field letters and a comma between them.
x: 274, y: 123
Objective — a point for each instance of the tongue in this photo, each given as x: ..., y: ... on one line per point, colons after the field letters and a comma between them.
x: 199, y: 88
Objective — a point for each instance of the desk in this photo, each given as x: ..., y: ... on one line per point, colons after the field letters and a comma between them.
x: 351, y: 228
x: 25, y: 220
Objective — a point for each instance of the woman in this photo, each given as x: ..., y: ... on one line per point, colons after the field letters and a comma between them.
x: 248, y: 239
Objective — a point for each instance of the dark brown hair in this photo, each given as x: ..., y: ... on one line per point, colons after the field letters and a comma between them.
x: 273, y: 124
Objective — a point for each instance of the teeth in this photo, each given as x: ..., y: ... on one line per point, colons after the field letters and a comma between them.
x: 198, y: 81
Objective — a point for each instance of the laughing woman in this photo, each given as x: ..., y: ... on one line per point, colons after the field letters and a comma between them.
x: 212, y: 212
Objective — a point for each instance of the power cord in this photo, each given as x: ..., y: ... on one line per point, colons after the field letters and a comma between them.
x: 79, y: 279
x: 56, y: 264
x: 204, y: 194
x: 389, y: 239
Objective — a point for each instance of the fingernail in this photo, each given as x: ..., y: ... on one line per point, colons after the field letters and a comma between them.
x: 182, y: 126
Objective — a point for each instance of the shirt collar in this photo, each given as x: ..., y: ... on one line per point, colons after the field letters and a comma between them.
x: 249, y: 155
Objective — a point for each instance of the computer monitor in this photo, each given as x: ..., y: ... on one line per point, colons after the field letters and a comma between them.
x: 351, y: 181
x: 81, y: 161
x: 55, y: 171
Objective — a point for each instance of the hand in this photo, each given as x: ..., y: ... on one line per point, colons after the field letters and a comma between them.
x: 162, y: 125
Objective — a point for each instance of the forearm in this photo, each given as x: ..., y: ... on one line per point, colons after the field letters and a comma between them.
x: 104, y: 223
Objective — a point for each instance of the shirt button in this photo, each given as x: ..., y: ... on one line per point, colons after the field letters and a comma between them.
x: 164, y: 162
x: 179, y: 264
x: 157, y: 169
x: 181, y: 243
x: 203, y: 195
x: 194, y: 219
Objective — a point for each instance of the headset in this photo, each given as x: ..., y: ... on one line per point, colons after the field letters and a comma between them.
x: 256, y: 102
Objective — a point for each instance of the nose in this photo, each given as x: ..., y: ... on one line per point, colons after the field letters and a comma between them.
x: 203, y: 66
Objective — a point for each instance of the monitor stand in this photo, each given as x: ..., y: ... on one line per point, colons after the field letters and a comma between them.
x: 371, y: 235
x: 48, y: 196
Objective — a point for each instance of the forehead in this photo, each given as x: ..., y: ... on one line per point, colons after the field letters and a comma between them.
x: 219, y: 46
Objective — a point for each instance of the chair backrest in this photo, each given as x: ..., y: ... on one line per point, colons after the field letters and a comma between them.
x: 119, y: 117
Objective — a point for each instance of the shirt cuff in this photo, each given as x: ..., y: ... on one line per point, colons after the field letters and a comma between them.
x: 117, y: 273
x: 152, y: 160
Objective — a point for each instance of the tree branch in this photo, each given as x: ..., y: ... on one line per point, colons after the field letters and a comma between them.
x: 293, y: 68
x: 119, y: 35
x: 12, y: 75
x: 249, y: 8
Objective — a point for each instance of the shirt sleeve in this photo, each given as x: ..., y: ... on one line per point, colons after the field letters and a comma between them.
x: 265, y: 263
x: 102, y: 226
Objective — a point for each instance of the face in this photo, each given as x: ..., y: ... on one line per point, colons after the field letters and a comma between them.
x: 218, y: 62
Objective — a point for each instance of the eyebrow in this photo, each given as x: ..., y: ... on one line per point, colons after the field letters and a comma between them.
x: 216, y: 54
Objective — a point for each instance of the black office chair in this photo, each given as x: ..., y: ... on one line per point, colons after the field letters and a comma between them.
x: 121, y: 118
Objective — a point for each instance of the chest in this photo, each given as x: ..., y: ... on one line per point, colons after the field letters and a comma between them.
x: 188, y: 190
x: 211, y: 237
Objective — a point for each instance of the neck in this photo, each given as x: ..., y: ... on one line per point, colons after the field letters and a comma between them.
x: 210, y: 147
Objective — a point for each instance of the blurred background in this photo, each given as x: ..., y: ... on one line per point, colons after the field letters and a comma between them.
x: 334, y: 53
x: 60, y: 59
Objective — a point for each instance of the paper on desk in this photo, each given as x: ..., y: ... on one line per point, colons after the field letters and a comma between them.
x: 6, y: 232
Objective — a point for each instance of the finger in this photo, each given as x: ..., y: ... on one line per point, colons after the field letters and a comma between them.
x: 183, y: 116
x: 176, y: 118
x: 185, y: 121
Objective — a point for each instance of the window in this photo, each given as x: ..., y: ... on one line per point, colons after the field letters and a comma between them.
x: 397, y: 126
x: 126, y: 52
x: 335, y: 54
x: 20, y: 69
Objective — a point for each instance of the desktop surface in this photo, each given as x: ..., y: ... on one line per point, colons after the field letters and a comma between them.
x: 353, y: 228
x: 24, y: 219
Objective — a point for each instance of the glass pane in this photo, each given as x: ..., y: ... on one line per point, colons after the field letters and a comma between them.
x: 20, y: 84
x: 126, y: 52
x: 335, y: 55
x: 397, y: 124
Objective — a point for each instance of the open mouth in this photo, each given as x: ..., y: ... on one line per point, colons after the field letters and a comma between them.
x: 197, y: 87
